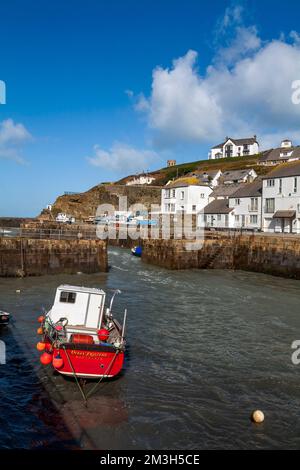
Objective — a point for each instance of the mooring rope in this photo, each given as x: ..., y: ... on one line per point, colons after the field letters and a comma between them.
x: 103, y: 376
x: 74, y: 373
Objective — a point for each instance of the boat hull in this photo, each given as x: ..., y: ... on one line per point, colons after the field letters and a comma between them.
x: 90, y: 362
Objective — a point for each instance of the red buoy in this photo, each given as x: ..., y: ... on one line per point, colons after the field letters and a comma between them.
x: 41, y: 318
x: 40, y: 331
x: 40, y: 346
x: 57, y: 361
x: 46, y: 358
x: 103, y: 334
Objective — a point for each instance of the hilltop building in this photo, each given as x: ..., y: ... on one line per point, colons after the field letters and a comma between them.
x: 235, y: 148
x: 283, y: 154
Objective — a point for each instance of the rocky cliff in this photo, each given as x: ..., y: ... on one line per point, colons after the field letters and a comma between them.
x: 84, y: 205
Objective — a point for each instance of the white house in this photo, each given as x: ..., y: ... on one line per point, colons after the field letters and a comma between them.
x: 217, y: 214
x: 184, y: 198
x: 246, y: 202
x: 239, y: 209
x: 281, y: 199
x: 140, y: 180
x: 238, y: 176
x: 283, y: 154
x: 210, y: 177
x: 235, y: 148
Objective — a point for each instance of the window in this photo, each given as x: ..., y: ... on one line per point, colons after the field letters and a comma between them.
x: 253, y: 219
x: 68, y: 297
x: 202, y: 195
x: 172, y: 207
x: 237, y: 202
x: 182, y: 195
x: 228, y: 150
x: 166, y: 208
x: 219, y: 217
x: 270, y: 206
x: 280, y: 186
x: 193, y: 208
x: 295, y: 185
x: 270, y: 183
x: 237, y: 218
x: 167, y: 193
x: 173, y: 193
x: 254, y: 204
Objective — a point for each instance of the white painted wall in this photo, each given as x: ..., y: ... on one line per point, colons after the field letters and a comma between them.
x: 189, y: 199
x: 216, y: 220
x: 237, y: 150
x: 247, y: 212
x: 285, y: 198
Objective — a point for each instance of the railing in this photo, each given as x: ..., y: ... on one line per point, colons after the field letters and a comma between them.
x: 48, y: 233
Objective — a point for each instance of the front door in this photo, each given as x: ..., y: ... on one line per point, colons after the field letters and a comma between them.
x: 243, y: 221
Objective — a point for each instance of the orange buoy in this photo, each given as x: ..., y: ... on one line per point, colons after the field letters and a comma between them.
x: 41, y: 318
x: 40, y: 346
x: 57, y: 361
x: 40, y: 331
x: 46, y: 358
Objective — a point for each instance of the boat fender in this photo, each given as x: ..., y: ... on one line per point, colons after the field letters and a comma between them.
x: 46, y: 358
x: 103, y: 334
x: 57, y: 361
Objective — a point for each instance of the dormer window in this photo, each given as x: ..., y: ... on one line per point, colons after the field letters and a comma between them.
x: 68, y: 297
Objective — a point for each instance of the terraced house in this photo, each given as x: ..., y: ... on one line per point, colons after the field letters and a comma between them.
x: 281, y: 199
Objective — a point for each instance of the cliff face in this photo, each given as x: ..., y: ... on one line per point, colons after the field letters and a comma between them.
x: 84, y: 205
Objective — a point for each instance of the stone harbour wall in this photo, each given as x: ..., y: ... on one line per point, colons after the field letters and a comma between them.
x: 277, y: 255
x: 33, y: 257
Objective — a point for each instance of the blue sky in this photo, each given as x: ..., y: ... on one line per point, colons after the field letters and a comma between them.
x: 99, y: 89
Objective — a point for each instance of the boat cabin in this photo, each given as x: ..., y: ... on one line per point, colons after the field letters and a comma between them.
x: 83, y: 308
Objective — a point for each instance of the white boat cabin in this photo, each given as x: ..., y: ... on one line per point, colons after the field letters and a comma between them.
x: 83, y: 307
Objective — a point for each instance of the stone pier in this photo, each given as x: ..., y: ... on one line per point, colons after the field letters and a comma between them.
x: 271, y: 254
x: 33, y: 257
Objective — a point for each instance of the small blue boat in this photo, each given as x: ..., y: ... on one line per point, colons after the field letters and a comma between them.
x: 136, y: 251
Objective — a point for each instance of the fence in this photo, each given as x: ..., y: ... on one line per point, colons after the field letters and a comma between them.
x: 48, y: 233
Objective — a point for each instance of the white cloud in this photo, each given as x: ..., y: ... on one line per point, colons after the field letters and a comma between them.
x: 246, y: 90
x: 12, y: 136
x: 122, y: 158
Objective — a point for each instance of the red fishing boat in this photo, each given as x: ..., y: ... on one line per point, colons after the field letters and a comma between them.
x: 80, y: 337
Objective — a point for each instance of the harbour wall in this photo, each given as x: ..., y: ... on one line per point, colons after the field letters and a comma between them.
x: 33, y: 257
x: 275, y: 254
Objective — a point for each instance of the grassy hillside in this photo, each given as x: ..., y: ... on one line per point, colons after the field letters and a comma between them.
x: 165, y: 174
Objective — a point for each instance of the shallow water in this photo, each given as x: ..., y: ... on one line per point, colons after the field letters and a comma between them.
x: 205, y: 348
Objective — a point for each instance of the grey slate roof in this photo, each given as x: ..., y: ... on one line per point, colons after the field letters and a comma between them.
x: 285, y: 170
x: 274, y: 154
x: 234, y: 175
x: 246, y: 141
x: 219, y: 206
x: 226, y: 190
x: 249, y: 189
